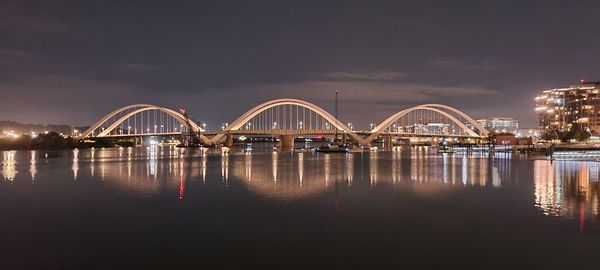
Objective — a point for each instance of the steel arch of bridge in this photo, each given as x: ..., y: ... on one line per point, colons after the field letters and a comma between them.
x: 141, y: 108
x: 471, y: 121
x: 240, y: 121
x: 385, y: 124
x: 236, y: 125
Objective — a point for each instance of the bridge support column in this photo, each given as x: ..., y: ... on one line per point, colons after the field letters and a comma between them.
x: 344, y: 138
x: 286, y: 142
x: 387, y: 141
x: 229, y: 140
x: 138, y: 141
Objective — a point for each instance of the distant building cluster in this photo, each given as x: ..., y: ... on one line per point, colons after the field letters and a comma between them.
x: 576, y: 106
x: 500, y: 124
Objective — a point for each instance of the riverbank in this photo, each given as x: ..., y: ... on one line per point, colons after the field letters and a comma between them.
x: 55, y: 141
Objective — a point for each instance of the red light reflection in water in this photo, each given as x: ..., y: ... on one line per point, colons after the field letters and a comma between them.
x: 181, y: 187
x: 581, y: 217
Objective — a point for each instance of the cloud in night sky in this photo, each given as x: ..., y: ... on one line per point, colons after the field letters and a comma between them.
x: 70, y: 62
x: 366, y: 76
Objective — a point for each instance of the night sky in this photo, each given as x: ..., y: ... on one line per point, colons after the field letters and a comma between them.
x: 70, y: 62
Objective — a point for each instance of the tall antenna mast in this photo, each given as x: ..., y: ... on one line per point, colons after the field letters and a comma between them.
x: 336, y: 115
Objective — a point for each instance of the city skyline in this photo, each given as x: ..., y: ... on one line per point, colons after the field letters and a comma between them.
x: 59, y: 66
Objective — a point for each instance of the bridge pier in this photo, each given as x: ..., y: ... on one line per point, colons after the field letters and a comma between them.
x: 286, y: 142
x: 344, y: 138
x: 387, y: 141
x: 229, y: 140
x: 138, y: 141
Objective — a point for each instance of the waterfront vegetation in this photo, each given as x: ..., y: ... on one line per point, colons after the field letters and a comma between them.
x: 55, y: 141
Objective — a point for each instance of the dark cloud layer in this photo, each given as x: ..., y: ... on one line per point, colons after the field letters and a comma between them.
x: 71, y: 61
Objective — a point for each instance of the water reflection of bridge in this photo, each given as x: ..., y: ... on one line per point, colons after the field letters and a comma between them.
x: 567, y: 189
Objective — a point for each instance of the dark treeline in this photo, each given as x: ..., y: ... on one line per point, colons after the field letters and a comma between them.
x: 38, y: 128
x: 54, y: 141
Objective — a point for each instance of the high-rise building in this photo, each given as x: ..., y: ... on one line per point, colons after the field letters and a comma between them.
x: 562, y: 109
x: 499, y: 124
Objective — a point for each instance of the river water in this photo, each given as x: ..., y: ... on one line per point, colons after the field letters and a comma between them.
x: 164, y: 207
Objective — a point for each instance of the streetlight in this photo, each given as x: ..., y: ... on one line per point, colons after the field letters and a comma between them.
x: 300, y: 124
x: 204, y: 126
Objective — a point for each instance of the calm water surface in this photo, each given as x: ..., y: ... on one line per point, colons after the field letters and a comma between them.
x: 163, y: 207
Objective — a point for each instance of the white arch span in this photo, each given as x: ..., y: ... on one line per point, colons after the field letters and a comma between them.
x: 240, y: 121
x: 482, y: 130
x: 433, y: 108
x: 142, y: 107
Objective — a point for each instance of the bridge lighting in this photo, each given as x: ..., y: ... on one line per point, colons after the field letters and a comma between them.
x: 274, y: 125
x: 204, y: 126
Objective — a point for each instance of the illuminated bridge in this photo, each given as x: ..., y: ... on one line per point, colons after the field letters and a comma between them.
x: 286, y: 118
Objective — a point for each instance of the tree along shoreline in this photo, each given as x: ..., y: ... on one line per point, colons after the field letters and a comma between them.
x: 55, y: 141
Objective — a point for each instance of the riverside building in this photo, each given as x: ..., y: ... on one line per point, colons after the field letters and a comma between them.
x: 499, y: 124
x: 561, y: 109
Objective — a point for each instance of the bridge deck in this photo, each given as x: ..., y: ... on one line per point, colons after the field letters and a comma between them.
x: 293, y: 132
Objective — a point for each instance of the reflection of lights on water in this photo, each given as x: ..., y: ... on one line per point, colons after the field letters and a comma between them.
x: 32, y: 165
x: 102, y: 164
x: 248, y: 166
x: 445, y: 168
x: 75, y: 166
x: 373, y: 168
x: 567, y: 189
x: 300, y: 168
x: 350, y: 168
x: 464, y: 175
x: 327, y: 164
x: 181, y: 180
x: 152, y: 160
x: 547, y: 190
x: 274, y: 166
x: 9, y: 170
x: 204, y: 168
x: 395, y: 159
x: 225, y: 169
